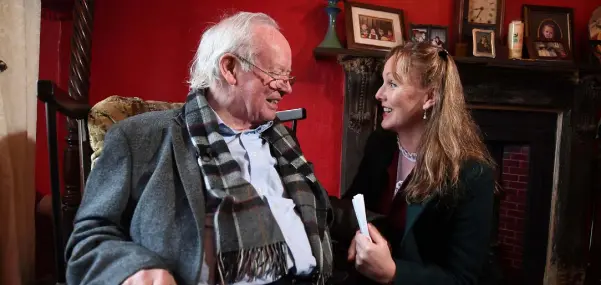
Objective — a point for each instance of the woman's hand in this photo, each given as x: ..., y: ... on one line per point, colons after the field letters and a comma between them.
x: 372, y: 259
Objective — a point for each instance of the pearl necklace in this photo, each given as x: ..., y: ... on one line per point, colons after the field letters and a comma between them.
x: 411, y: 156
x: 398, y: 186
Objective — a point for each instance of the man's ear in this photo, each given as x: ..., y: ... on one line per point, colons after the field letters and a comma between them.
x: 227, y: 63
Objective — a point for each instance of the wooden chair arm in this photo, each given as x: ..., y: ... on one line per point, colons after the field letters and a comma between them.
x: 50, y: 93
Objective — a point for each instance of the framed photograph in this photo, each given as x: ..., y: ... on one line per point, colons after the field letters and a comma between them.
x: 548, y: 50
x: 436, y: 35
x: 439, y: 36
x: 484, y: 43
x: 419, y: 33
x: 547, y: 23
x: 373, y: 27
x: 594, y: 29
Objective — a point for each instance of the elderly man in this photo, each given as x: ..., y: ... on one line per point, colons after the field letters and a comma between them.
x: 215, y: 192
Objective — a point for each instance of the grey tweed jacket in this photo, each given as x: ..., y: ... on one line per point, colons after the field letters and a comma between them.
x: 143, y: 205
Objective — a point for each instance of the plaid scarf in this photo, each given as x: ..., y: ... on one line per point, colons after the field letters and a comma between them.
x: 248, y: 240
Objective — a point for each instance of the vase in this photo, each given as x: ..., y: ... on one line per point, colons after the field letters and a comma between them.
x: 331, y: 39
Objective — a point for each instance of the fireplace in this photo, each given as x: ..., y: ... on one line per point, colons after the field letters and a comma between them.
x: 511, y: 206
x: 537, y: 119
x: 523, y: 145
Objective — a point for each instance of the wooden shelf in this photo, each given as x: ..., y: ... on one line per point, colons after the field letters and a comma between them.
x: 528, y: 64
x: 333, y: 53
x: 554, y: 66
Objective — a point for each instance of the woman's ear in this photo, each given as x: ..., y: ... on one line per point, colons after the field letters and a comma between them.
x: 227, y: 63
x: 429, y: 102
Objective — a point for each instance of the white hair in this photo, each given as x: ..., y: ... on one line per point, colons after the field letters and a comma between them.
x: 233, y: 34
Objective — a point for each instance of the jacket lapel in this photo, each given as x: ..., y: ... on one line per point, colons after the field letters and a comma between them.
x: 189, y: 174
x: 408, y: 243
x: 414, y: 211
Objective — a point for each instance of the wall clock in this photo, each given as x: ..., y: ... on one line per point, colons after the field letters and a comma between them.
x: 478, y: 14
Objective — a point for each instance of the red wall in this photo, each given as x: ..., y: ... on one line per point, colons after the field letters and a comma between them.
x: 144, y: 48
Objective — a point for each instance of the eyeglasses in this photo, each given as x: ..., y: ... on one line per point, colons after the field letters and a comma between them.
x: 278, y: 82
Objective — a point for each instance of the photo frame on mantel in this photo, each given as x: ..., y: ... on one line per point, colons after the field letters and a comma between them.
x: 439, y: 36
x: 373, y: 27
x: 549, y: 23
x: 540, y: 49
x: 419, y: 33
x: 483, y: 43
x: 436, y: 35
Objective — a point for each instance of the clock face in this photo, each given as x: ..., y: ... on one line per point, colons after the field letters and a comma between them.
x: 482, y: 11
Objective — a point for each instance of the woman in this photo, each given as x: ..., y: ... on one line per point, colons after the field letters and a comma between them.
x: 429, y: 173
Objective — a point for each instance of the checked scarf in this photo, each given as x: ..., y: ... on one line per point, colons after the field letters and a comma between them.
x: 248, y: 240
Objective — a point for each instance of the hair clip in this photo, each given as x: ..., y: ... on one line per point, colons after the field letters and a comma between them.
x: 443, y: 53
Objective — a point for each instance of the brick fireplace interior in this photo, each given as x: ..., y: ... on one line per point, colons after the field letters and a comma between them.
x: 523, y: 146
x: 513, y: 179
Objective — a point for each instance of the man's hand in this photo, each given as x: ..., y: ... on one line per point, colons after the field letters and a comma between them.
x: 373, y: 259
x: 151, y: 277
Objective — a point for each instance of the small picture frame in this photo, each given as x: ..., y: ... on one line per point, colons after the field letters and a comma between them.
x: 439, y: 36
x: 373, y: 27
x: 419, y: 33
x: 555, y: 24
x: 483, y: 43
x: 436, y: 35
x: 540, y: 49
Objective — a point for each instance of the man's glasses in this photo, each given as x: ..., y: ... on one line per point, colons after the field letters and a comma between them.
x: 278, y: 82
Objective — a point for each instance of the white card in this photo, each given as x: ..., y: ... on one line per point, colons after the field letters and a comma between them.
x: 359, y: 206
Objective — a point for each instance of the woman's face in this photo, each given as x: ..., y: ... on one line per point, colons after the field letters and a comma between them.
x: 403, y: 102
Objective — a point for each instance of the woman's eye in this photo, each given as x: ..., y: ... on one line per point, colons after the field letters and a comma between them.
x: 392, y: 84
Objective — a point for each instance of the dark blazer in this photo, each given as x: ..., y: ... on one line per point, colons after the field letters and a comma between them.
x: 445, y: 241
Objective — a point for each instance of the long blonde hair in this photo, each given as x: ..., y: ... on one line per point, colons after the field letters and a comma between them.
x: 451, y: 137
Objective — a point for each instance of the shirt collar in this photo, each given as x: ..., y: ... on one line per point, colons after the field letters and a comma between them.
x: 224, y: 129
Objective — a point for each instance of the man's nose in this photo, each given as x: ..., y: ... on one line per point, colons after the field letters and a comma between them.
x: 284, y: 87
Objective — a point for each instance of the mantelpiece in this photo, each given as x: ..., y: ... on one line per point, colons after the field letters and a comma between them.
x: 561, y: 99
x: 555, y: 66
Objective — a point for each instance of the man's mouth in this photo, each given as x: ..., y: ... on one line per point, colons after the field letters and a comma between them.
x: 273, y: 103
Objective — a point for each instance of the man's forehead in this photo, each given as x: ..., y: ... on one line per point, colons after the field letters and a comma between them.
x: 275, y: 63
x: 273, y: 49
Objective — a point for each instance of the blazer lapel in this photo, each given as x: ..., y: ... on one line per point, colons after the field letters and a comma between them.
x: 189, y: 174
x: 408, y: 243
x: 414, y: 211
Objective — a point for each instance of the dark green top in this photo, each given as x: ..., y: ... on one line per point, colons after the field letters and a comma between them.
x: 445, y: 241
